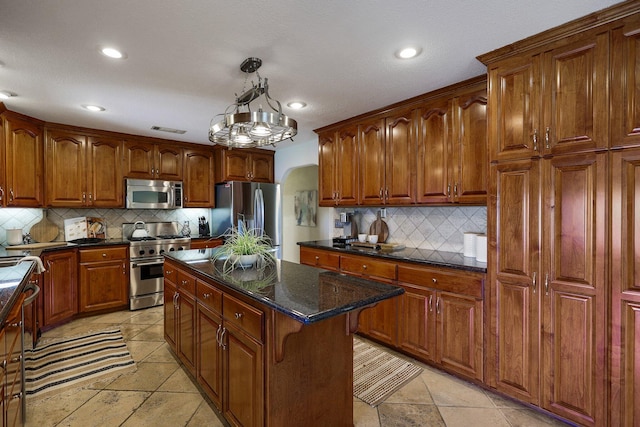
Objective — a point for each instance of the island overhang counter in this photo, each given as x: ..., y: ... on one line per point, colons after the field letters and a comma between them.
x: 270, y: 347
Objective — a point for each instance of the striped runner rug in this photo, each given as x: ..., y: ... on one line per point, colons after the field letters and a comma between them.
x: 75, y: 362
x: 377, y: 374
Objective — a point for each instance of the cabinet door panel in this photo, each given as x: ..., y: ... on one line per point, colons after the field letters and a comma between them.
x: 261, y: 167
x: 327, y: 169
x: 60, y: 287
x: 198, y: 191
x: 460, y: 334
x: 382, y: 321
x: 574, y: 323
x: 24, y: 164
x: 170, y: 334
x: 168, y: 163
x: 105, y: 186
x: 244, y: 379
x: 417, y: 321
x: 139, y: 160
x: 346, y: 170
x: 209, y: 358
x: 576, y: 96
x: 434, y: 135
x: 513, y: 119
x: 469, y: 149
x: 625, y: 85
x: 372, y: 162
x: 186, y: 331
x: 400, y: 147
x: 65, y: 169
x: 103, y: 285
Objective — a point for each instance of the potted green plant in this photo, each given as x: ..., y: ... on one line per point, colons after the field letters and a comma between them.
x: 245, y: 248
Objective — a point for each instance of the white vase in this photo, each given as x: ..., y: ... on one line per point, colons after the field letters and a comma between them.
x: 245, y: 261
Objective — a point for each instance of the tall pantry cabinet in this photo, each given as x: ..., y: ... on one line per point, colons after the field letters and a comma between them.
x: 547, y: 220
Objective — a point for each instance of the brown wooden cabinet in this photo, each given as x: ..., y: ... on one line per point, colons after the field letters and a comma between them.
x: 338, y: 167
x: 319, y: 258
x: 243, y: 165
x: 21, y: 158
x: 198, y: 179
x: 152, y: 160
x: 209, y: 353
x: 371, y: 153
x: 441, y: 318
x: 59, y: 286
x: 551, y: 100
x: 104, y: 278
x: 180, y: 314
x: 205, y: 243
x: 83, y: 170
x: 625, y: 287
x: 11, y: 398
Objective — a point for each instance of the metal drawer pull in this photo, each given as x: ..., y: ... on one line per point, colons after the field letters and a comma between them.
x: 438, y: 305
x: 430, y: 302
x: 534, y: 282
x: 546, y: 284
x: 238, y: 315
x: 222, y: 344
x: 206, y: 295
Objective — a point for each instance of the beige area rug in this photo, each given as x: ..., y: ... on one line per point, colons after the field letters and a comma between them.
x: 74, y: 362
x: 377, y: 374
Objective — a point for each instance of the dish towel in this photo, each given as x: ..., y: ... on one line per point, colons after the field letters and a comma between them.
x: 39, y: 265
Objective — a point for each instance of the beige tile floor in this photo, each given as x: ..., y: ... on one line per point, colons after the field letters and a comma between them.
x: 160, y: 393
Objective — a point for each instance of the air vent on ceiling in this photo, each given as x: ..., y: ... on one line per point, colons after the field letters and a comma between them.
x: 170, y: 130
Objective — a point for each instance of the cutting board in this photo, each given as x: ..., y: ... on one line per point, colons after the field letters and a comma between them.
x: 380, y: 228
x: 45, y: 230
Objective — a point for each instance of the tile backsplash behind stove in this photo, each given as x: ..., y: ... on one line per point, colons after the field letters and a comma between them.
x: 437, y: 228
x: 25, y: 218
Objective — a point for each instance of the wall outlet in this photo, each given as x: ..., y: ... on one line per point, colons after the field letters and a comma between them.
x: 383, y: 212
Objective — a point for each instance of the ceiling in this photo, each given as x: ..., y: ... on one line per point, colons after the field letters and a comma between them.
x: 183, y: 56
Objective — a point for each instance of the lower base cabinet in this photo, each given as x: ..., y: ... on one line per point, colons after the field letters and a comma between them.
x: 59, y: 296
x: 104, y: 279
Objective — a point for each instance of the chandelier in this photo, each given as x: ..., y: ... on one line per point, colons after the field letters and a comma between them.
x: 242, y: 128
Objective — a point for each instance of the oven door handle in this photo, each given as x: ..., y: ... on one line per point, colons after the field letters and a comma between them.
x: 143, y: 264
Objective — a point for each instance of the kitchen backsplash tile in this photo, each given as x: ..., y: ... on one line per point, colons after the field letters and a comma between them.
x: 26, y: 218
x: 437, y: 228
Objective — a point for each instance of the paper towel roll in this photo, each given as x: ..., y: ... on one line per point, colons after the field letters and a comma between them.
x: 481, y: 247
x: 470, y: 245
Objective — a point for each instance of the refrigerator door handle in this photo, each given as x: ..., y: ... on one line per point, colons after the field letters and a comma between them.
x: 258, y: 210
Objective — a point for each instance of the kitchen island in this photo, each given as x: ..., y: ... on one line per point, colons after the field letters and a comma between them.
x: 270, y: 347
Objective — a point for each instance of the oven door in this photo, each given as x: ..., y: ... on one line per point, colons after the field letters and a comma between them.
x: 147, y: 283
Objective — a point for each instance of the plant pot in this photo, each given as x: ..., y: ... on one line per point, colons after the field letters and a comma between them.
x: 244, y: 261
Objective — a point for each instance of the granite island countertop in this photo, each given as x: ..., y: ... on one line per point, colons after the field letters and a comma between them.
x: 13, y: 279
x: 415, y: 255
x: 304, y: 293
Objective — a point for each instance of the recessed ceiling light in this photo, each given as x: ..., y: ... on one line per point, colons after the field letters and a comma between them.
x: 5, y: 95
x: 94, y: 108
x: 112, y: 53
x: 408, y: 52
x: 297, y: 105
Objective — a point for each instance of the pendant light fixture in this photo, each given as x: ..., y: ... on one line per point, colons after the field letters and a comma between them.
x: 242, y: 128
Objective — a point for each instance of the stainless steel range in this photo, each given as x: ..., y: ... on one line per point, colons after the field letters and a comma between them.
x: 146, y: 286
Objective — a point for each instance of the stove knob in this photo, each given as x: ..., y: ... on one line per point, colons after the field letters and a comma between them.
x: 151, y: 251
x: 171, y: 249
x: 141, y: 252
x: 180, y: 248
x: 161, y: 251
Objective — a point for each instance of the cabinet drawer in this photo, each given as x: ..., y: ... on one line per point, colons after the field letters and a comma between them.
x: 170, y: 272
x: 321, y: 259
x: 459, y: 282
x: 243, y: 315
x: 209, y: 296
x: 366, y: 266
x: 186, y: 282
x: 103, y: 254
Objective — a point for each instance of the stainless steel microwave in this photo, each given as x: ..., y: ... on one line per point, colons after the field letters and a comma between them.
x: 153, y: 194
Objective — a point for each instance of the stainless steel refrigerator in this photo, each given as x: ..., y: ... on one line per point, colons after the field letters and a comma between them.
x: 257, y: 204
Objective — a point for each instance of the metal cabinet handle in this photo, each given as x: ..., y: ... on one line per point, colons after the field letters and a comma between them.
x: 206, y: 295
x: 218, y: 335
x: 380, y: 194
x: 535, y: 140
x: 124, y: 268
x: 430, y: 303
x: 434, y: 280
x: 547, y: 137
x: 455, y: 190
x: 222, y: 344
x: 449, y: 190
x: 386, y: 193
x: 364, y: 266
x: 438, y: 305
x: 1, y: 193
x: 238, y: 315
x: 546, y: 283
x: 533, y: 283
x: 11, y: 195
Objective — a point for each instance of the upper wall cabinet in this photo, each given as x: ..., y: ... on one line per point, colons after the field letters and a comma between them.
x: 429, y: 150
x: 147, y: 160
x: 452, y: 148
x: 338, y: 167
x: 83, y: 170
x: 243, y: 165
x: 198, y: 177
x: 21, y: 161
x: 551, y: 101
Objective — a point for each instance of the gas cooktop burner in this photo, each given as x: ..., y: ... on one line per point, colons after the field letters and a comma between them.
x: 141, y: 239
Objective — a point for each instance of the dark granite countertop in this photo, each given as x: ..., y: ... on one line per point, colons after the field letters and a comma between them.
x: 12, y: 282
x: 419, y: 256
x: 304, y: 293
x: 8, y: 252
